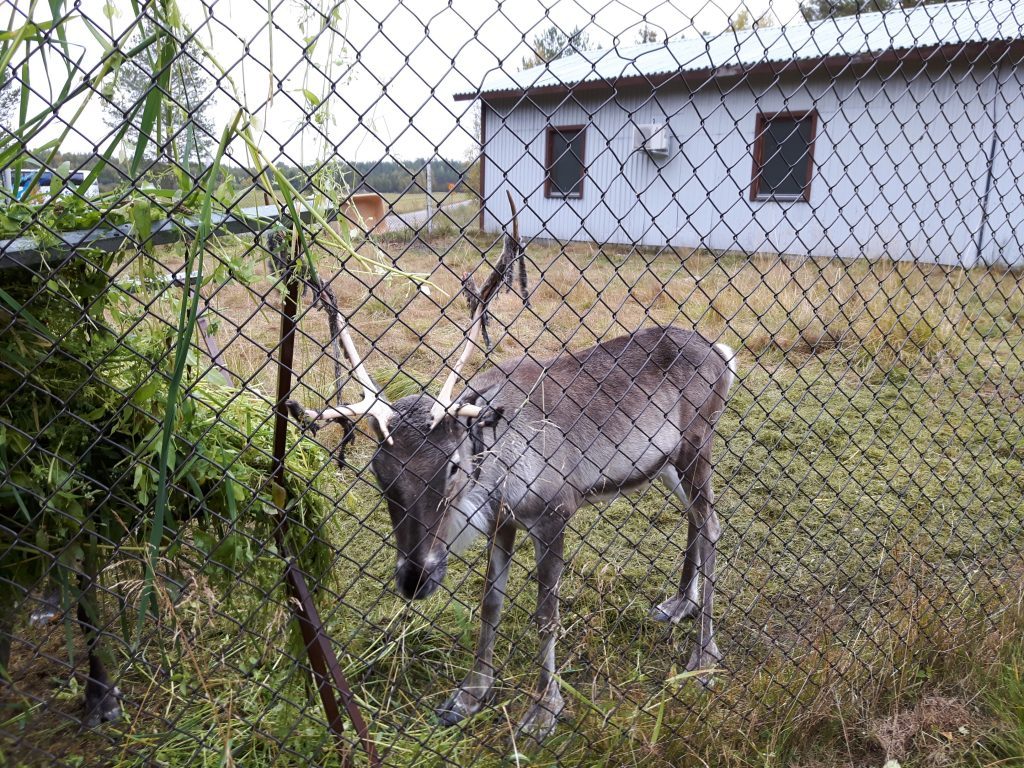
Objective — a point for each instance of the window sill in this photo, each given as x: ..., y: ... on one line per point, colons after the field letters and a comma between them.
x: 780, y: 199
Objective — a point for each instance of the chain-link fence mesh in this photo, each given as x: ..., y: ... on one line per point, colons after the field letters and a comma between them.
x: 708, y: 320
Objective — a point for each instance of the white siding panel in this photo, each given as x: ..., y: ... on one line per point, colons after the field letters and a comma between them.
x: 900, y: 162
x: 1003, y: 243
x: 622, y: 185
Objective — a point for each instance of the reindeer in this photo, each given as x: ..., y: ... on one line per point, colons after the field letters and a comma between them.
x: 524, y: 446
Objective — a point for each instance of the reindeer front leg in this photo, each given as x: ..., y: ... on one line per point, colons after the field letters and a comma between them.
x: 102, y: 697
x: 475, y: 690
x: 541, y: 718
x: 6, y: 633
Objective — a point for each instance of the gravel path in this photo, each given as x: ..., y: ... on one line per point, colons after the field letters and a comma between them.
x: 415, y: 219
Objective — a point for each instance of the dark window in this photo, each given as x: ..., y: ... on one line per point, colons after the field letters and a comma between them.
x: 783, y: 156
x: 565, y: 162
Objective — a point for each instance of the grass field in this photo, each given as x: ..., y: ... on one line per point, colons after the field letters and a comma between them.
x: 869, y: 479
x: 405, y: 202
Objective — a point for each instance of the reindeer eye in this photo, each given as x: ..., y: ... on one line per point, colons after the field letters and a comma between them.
x: 452, y: 469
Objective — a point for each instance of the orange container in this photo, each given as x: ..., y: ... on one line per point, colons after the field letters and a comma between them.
x: 364, y: 210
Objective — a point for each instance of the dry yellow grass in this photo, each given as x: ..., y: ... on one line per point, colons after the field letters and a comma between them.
x: 881, y: 315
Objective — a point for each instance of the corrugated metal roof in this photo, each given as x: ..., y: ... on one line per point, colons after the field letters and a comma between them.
x: 870, y: 33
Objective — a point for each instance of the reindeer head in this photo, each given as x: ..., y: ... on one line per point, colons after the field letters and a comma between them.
x: 423, y: 473
x: 424, y: 461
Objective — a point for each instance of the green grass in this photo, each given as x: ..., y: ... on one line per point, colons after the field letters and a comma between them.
x: 871, y: 498
x: 1004, y: 695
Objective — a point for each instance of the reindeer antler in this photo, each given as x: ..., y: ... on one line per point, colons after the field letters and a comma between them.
x: 478, y: 303
x: 507, y: 268
x: 374, y: 403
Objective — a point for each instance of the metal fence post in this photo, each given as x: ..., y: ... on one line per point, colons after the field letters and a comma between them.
x: 327, y: 674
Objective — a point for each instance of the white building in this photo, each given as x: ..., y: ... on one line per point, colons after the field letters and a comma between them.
x: 895, y: 134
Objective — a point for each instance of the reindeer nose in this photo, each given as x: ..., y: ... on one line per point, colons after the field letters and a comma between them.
x: 414, y: 582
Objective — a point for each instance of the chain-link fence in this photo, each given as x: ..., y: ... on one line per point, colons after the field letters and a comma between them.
x: 510, y: 384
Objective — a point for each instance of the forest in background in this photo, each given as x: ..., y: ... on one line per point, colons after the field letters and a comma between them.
x: 385, y: 175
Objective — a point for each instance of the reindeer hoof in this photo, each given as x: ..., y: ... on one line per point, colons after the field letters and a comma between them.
x: 102, y: 706
x: 460, y: 705
x: 705, y: 663
x: 47, y: 612
x: 542, y: 717
x: 674, y: 610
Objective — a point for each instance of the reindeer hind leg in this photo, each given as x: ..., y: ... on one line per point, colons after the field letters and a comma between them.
x: 703, y: 517
x: 685, y: 603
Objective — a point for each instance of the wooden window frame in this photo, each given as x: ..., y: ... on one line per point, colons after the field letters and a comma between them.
x: 579, y: 130
x: 760, y: 129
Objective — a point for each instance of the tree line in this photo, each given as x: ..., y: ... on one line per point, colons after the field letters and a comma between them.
x: 185, y: 148
x: 384, y: 176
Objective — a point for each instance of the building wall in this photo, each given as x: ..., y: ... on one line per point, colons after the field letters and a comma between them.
x: 1004, y: 230
x: 900, y: 165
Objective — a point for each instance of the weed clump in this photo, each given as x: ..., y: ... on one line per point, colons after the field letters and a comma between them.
x: 80, y: 443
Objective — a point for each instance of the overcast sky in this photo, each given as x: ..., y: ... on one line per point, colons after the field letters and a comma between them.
x: 396, y: 66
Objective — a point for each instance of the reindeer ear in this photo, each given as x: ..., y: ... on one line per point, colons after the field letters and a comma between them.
x: 492, y: 416
x: 297, y: 412
x: 378, y: 430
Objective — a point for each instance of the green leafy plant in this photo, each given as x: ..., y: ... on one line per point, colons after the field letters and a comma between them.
x: 83, y: 439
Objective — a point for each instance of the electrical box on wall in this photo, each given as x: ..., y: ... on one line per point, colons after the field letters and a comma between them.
x: 653, y: 139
